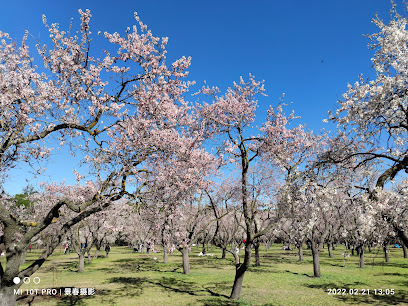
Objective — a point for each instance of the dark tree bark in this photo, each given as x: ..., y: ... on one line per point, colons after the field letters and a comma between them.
x: 98, y: 246
x: 361, y: 257
x: 316, y: 259
x: 223, y: 253
x: 257, y: 257
x: 186, y: 260
x: 329, y: 249
x: 404, y: 249
x: 240, y: 270
x: 386, y: 252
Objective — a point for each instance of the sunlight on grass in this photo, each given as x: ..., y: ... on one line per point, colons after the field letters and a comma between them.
x: 127, y: 278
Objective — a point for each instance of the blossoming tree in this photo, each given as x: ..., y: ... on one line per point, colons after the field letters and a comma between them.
x: 231, y: 116
x: 375, y: 112
x: 117, y: 113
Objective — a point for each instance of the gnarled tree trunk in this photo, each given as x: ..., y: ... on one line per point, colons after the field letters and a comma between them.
x: 7, y: 286
x: 7, y: 296
x: 240, y: 270
x: 316, y: 259
x: 257, y: 258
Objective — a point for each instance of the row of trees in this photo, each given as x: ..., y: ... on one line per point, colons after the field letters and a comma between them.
x: 155, y: 160
x: 314, y: 214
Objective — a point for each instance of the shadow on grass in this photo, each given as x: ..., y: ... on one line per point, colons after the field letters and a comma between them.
x: 276, y: 259
x: 176, y: 285
x: 143, y: 265
x: 71, y: 266
x: 220, y: 286
x: 327, y: 286
x: 133, y: 286
x: 218, y: 302
x: 391, y: 274
x: 295, y: 273
x: 72, y: 300
x: 209, y: 262
x: 388, y: 264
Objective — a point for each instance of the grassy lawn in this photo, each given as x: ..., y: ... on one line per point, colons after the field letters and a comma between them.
x: 127, y: 278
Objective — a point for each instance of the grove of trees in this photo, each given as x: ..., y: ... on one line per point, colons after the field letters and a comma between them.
x: 158, y: 171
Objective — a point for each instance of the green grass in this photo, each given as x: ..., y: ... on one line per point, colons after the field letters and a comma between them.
x: 127, y: 278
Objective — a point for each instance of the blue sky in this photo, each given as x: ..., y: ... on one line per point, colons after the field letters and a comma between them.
x: 308, y: 50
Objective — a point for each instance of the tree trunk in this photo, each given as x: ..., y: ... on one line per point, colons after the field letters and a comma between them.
x: 361, y: 257
x: 7, y: 274
x: 316, y: 259
x: 300, y: 252
x: 386, y: 252
x: 23, y: 257
x: 329, y: 248
x: 257, y: 259
x: 404, y: 249
x: 96, y: 253
x: 240, y: 272
x: 7, y: 296
x: 81, y: 264
x: 89, y: 257
x: 165, y: 255
x: 186, y: 261
x: 223, y: 253
x: 369, y: 247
